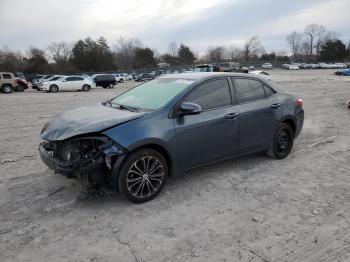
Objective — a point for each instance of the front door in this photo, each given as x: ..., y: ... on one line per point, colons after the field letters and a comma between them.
x: 211, y: 135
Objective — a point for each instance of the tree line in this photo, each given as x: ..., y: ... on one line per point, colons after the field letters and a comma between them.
x: 315, y: 43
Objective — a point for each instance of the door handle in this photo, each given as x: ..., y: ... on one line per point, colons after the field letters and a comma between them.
x: 232, y: 115
x: 275, y: 106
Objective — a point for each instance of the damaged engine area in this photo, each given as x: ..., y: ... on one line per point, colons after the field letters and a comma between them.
x: 92, y: 157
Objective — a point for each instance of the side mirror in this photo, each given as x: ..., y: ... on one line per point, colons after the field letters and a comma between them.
x: 188, y: 108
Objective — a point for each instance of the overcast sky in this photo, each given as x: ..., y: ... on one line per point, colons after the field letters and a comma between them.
x: 197, y: 23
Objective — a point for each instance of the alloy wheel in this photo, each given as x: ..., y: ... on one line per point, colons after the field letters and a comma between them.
x: 145, y: 176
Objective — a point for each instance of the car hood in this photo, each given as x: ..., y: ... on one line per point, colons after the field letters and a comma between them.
x: 84, y: 120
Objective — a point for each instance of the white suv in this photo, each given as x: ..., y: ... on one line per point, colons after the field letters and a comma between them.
x: 67, y: 83
x: 119, y: 78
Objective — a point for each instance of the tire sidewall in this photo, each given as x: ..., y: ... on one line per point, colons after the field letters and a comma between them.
x: 122, y: 185
x: 85, y: 88
x: 290, y: 133
x: 7, y: 89
x: 53, y: 88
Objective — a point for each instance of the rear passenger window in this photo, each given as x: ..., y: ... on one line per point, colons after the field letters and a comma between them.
x: 248, y: 90
x: 212, y: 94
x: 6, y: 76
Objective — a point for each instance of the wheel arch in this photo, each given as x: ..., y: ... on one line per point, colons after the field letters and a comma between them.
x: 291, y: 122
x: 155, y: 146
x: 159, y: 148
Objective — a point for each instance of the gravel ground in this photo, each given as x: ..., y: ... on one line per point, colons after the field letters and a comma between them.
x: 248, y: 209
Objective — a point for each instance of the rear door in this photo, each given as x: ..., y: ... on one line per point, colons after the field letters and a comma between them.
x: 212, y: 134
x: 68, y: 83
x: 259, y: 112
x: 79, y: 82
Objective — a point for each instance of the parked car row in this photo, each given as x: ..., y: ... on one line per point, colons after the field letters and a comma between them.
x: 296, y: 66
x: 54, y: 83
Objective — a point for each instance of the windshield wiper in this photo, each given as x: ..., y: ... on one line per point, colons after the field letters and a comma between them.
x: 123, y: 107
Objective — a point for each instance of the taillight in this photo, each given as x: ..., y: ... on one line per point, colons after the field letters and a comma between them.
x: 299, y: 102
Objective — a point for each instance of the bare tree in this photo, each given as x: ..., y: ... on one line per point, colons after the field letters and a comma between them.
x: 126, y: 51
x: 233, y: 53
x: 330, y: 36
x: 320, y: 35
x: 216, y: 54
x: 311, y: 31
x: 294, y: 40
x: 173, y: 49
x: 10, y: 60
x: 252, y: 48
x: 60, y: 53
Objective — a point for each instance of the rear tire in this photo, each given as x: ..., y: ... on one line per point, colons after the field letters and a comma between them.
x: 85, y: 88
x: 282, y: 142
x: 143, y: 175
x: 53, y: 88
x: 20, y: 88
x: 111, y: 85
x: 7, y: 89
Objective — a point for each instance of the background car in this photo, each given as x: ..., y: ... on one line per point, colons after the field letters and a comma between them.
x: 261, y: 73
x: 343, y: 72
x: 127, y: 77
x: 7, y: 82
x: 145, y: 77
x: 119, y: 78
x: 293, y: 67
x: 37, y: 84
x: 21, y: 84
x: 267, y: 66
x: 104, y: 80
x: 67, y: 83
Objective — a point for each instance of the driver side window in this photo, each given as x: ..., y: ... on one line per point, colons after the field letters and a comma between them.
x: 212, y: 94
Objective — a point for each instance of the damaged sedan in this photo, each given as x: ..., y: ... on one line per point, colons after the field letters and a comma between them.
x: 133, y: 142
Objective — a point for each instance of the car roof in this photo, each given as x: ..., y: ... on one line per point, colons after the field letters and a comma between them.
x: 202, y: 75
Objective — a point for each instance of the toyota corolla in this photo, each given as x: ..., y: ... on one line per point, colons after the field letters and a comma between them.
x: 133, y: 142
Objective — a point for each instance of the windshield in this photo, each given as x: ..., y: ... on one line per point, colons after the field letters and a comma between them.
x: 153, y: 94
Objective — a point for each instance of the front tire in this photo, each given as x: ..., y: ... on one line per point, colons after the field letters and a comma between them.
x: 142, y: 175
x: 111, y: 85
x: 53, y: 88
x: 85, y: 88
x: 282, y: 142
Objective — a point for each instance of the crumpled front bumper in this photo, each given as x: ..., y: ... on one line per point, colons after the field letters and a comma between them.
x: 53, y: 163
x: 82, y: 166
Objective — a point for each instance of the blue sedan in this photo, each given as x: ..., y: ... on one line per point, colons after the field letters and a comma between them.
x: 133, y: 142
